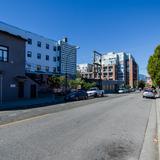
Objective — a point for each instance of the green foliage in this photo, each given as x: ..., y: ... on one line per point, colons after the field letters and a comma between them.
x: 141, y: 84
x: 75, y: 83
x: 87, y: 85
x: 154, y: 66
x: 57, y: 81
x: 78, y: 75
x: 127, y: 86
x: 81, y: 83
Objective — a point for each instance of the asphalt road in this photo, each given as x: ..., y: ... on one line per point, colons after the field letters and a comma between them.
x: 107, y: 130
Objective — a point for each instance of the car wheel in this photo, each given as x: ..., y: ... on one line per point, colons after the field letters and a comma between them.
x: 102, y: 95
x: 95, y: 95
x: 77, y: 98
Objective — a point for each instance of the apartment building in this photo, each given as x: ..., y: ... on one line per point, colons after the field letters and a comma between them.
x: 41, y: 54
x: 115, y: 66
x: 86, y: 70
x: 68, y: 58
x: 44, y: 57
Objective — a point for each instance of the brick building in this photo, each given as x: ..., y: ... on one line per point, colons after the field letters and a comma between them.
x: 115, y: 66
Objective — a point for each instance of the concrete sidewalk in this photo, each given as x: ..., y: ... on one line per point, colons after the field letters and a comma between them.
x: 149, y: 149
x: 30, y: 103
x: 158, y: 124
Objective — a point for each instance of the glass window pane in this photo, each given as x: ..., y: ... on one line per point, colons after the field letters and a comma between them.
x: 3, y: 48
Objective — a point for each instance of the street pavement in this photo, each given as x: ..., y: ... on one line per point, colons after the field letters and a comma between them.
x: 16, y: 112
x: 111, y: 129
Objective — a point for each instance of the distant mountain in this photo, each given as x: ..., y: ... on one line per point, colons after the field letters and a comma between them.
x: 142, y: 77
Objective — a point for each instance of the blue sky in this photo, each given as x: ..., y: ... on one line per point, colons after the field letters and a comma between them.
x: 103, y: 25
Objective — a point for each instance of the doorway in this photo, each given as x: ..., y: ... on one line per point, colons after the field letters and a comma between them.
x: 20, y: 89
x: 33, y: 91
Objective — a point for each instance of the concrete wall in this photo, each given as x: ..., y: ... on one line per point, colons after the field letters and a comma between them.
x: 15, y: 65
x: 13, y: 68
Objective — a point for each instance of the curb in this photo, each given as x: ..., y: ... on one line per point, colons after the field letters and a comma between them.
x: 158, y: 128
x: 149, y: 149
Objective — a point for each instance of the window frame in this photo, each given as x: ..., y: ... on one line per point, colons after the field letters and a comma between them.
x: 30, y: 54
x: 39, y: 54
x: 47, y: 46
x: 7, y: 51
x: 39, y: 44
x: 29, y: 41
x: 47, y: 59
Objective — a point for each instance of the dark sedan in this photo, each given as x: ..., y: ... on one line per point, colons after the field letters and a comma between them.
x: 76, y: 95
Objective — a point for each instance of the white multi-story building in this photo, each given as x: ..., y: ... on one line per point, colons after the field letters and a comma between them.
x: 83, y: 68
x: 43, y: 55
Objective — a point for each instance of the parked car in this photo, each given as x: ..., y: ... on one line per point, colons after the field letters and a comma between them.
x: 95, y: 92
x: 76, y: 95
x: 123, y: 90
x: 149, y: 93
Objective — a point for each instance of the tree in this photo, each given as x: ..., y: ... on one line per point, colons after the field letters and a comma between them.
x: 154, y: 66
x: 57, y: 81
x: 88, y: 85
x: 141, y: 84
x: 75, y: 83
x: 82, y: 83
x: 78, y: 74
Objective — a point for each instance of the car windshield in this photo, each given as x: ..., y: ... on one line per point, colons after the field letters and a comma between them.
x: 148, y: 90
x: 92, y: 89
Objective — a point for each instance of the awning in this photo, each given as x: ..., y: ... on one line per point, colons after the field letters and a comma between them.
x: 20, y: 78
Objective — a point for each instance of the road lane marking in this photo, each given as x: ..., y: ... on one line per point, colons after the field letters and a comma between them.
x: 38, y: 116
x: 25, y: 120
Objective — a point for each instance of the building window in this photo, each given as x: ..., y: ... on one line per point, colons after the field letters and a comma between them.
x: 29, y: 54
x: 54, y: 69
x: 28, y: 66
x: 38, y: 56
x: 47, y: 69
x: 29, y: 41
x: 54, y: 59
x: 59, y: 48
x: 55, y: 48
x: 47, y: 46
x: 110, y: 74
x: 58, y: 69
x: 39, y: 44
x: 58, y: 58
x: 47, y: 57
x: 38, y: 67
x: 3, y: 54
